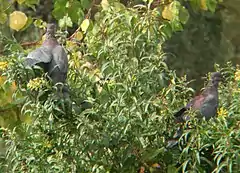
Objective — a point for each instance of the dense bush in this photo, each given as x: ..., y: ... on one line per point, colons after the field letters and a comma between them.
x: 124, y: 97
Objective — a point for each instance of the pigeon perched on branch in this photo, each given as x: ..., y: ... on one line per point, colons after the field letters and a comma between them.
x: 206, y: 103
x: 51, y: 56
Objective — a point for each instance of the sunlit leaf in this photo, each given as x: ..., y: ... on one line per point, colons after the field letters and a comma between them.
x: 105, y: 4
x: 79, y: 35
x: 171, y: 11
x: 65, y: 22
x: 85, y: 24
x: 20, y: 1
x: 40, y: 23
x: 17, y: 20
x: 203, y: 4
x: 29, y: 22
x: 167, y: 13
x: 212, y: 5
x: 43, y: 39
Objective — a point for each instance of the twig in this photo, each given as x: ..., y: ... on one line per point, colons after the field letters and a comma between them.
x: 12, y: 3
x: 25, y: 44
x: 86, y: 17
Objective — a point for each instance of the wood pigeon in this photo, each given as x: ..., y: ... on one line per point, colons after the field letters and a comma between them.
x: 51, y: 56
x: 206, y: 103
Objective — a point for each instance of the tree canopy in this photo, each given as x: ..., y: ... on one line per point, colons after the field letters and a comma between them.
x: 131, y: 66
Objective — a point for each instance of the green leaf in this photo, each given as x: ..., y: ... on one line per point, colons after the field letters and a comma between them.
x: 40, y: 23
x: 60, y: 9
x: 75, y: 12
x: 183, y: 15
x: 86, y: 3
x: 152, y: 153
x: 166, y: 29
x: 3, y: 17
x: 31, y: 3
x: 65, y: 22
x: 85, y: 24
x: 185, y: 164
x: 118, y: 6
x: 171, y: 169
x: 105, y: 4
x: 194, y: 4
x: 176, y: 26
x: 175, y: 7
x: 212, y: 4
x: 29, y: 22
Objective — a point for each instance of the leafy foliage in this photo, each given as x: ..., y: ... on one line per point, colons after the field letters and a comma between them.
x: 123, y: 96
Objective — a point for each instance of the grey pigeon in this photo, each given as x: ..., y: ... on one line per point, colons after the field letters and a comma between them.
x: 51, y: 56
x: 206, y: 103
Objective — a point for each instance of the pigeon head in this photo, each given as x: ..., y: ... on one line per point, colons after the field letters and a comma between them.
x: 51, y: 29
x: 216, y: 77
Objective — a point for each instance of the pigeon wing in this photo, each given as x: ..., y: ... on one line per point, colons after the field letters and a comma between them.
x: 39, y: 55
x: 209, y: 106
x: 59, y: 65
x: 60, y: 58
x: 196, y: 102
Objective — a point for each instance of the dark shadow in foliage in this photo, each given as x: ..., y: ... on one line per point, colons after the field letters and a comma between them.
x: 197, y: 47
